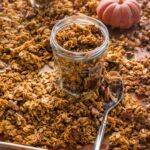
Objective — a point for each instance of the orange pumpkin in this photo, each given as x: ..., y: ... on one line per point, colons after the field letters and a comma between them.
x: 119, y: 13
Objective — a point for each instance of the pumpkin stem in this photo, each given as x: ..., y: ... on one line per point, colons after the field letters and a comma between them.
x: 120, y: 1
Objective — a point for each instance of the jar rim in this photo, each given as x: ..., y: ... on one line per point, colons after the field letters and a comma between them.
x: 73, y: 20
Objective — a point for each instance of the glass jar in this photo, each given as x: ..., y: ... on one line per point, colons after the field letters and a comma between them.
x: 79, y: 71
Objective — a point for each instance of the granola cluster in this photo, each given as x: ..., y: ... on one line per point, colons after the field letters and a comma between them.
x: 80, y: 38
x: 35, y: 111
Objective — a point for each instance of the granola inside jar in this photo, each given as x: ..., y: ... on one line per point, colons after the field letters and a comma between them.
x: 79, y: 44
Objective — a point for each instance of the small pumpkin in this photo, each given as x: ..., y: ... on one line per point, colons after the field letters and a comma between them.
x: 119, y: 13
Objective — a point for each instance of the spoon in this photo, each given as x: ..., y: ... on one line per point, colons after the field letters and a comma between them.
x: 33, y: 3
x: 114, y: 97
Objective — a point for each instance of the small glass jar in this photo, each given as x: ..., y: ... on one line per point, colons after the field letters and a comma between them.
x: 79, y: 71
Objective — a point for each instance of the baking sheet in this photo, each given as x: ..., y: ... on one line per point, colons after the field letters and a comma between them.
x: 11, y: 145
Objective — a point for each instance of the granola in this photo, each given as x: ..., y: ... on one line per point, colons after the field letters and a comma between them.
x: 78, y: 76
x: 80, y: 38
x: 35, y: 111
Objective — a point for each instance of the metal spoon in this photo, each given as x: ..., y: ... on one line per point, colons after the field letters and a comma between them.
x: 115, y: 94
x: 33, y: 3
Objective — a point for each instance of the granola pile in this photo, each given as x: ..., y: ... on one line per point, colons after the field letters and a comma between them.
x: 35, y: 111
x: 80, y: 38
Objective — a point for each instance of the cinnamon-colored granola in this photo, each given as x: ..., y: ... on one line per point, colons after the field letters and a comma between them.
x: 80, y: 76
x: 80, y: 38
x: 33, y: 109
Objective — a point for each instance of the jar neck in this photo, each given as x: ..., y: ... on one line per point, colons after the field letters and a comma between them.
x: 81, y: 20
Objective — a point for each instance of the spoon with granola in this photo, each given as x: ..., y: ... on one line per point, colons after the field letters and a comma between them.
x: 37, y: 3
x: 32, y: 2
x: 114, y: 94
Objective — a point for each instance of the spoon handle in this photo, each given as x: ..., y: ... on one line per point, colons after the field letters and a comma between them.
x: 100, y: 134
x: 32, y: 3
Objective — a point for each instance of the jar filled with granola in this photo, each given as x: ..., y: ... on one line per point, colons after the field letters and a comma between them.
x: 79, y: 44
